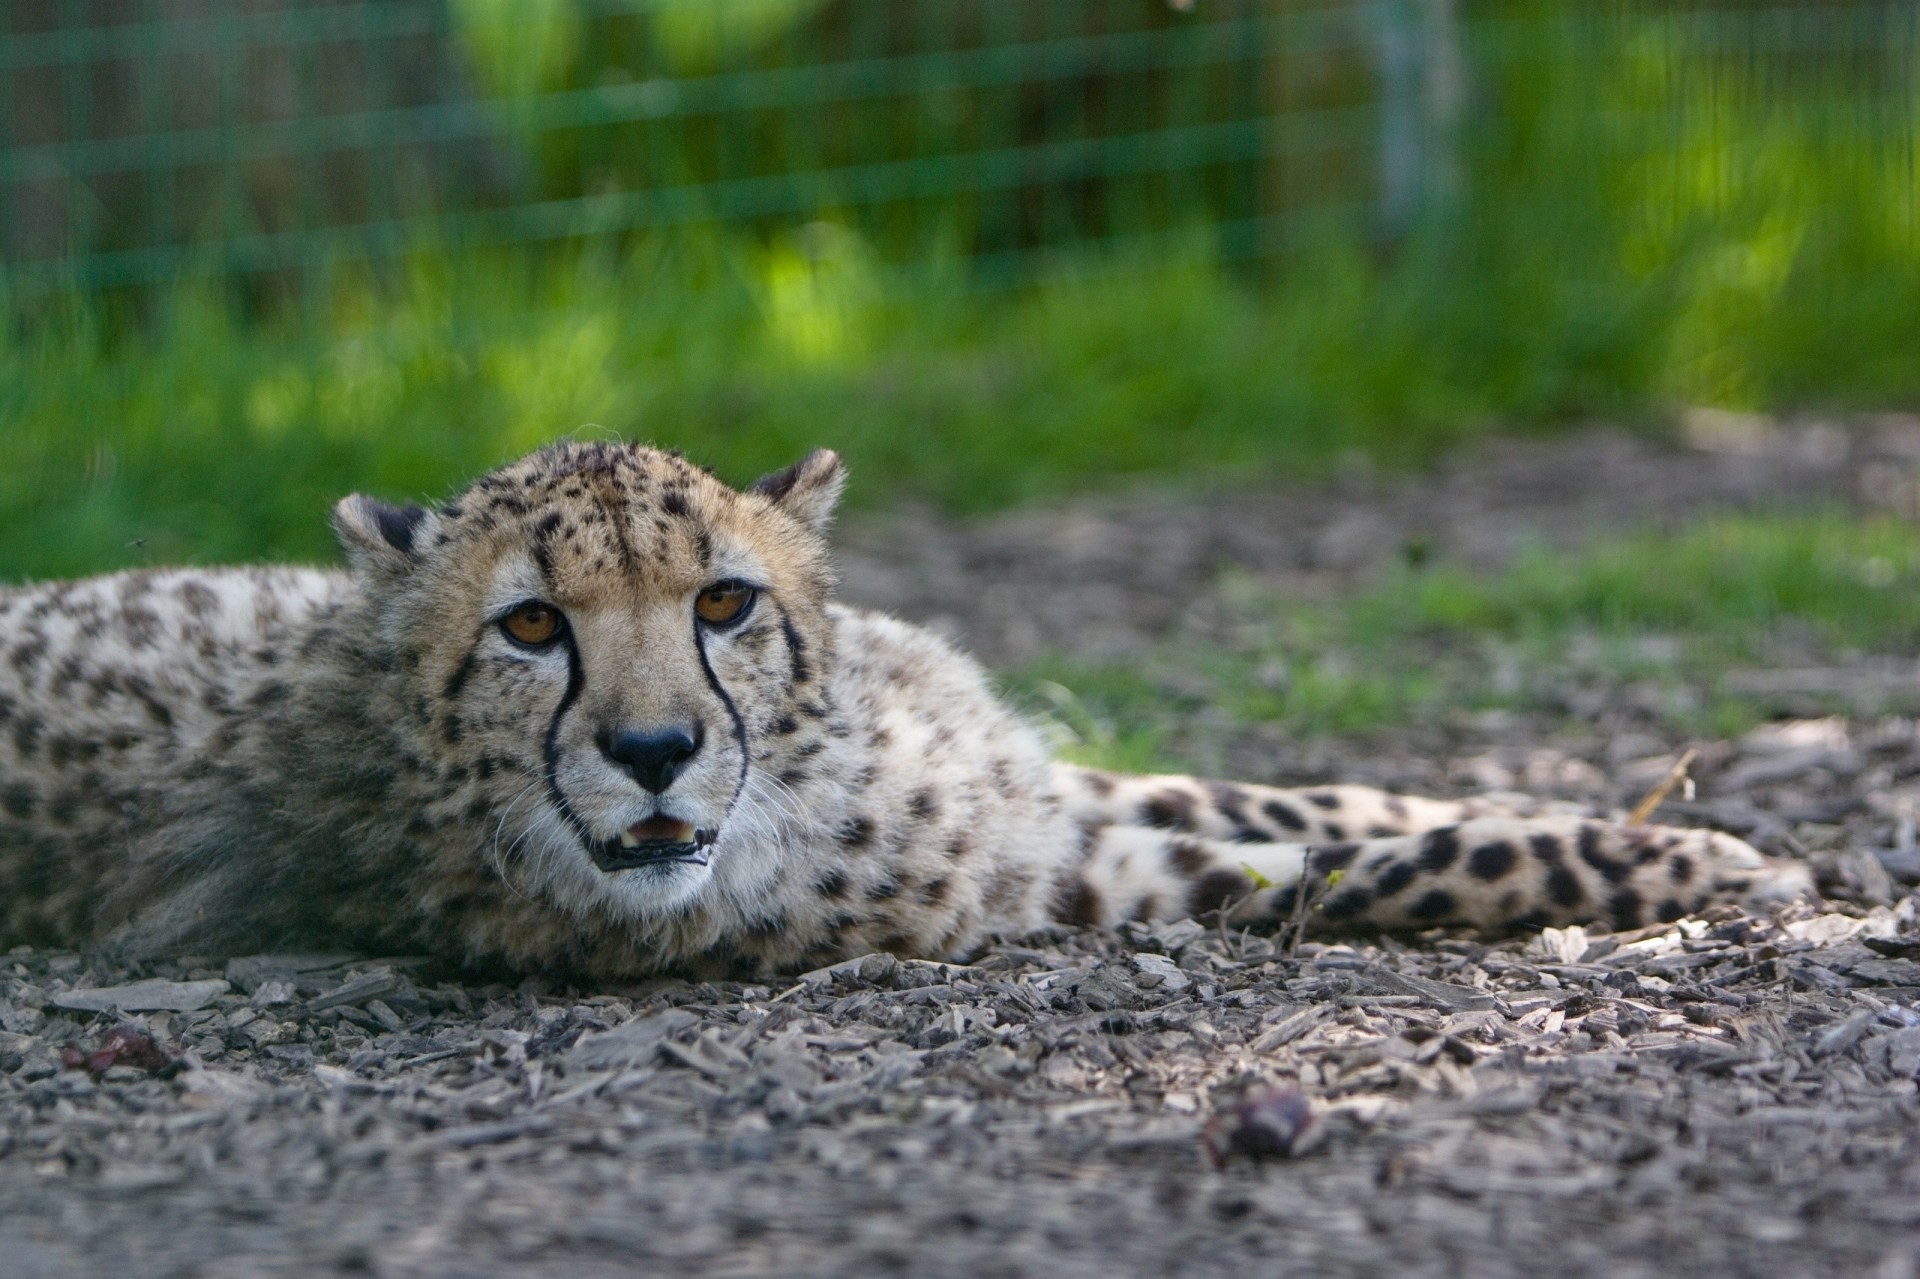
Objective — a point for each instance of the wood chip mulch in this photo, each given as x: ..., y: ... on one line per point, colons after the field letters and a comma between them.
x: 1725, y: 1095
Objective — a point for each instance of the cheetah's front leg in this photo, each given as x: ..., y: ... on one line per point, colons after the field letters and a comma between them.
x: 1492, y: 873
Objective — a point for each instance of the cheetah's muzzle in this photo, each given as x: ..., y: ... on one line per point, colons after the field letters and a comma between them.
x: 657, y: 841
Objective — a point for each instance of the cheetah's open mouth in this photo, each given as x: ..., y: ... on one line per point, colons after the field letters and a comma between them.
x: 657, y: 841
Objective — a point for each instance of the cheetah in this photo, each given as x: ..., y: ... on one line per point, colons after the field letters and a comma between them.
x: 600, y: 715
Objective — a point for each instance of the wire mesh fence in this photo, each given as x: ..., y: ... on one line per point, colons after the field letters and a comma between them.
x: 141, y: 140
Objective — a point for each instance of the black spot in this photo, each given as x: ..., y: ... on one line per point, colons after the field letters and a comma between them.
x: 831, y: 884
x: 1333, y: 830
x: 675, y: 503
x: 1231, y: 800
x: 1078, y: 903
x: 784, y: 725
x: 770, y: 926
x: 1562, y: 887
x: 1216, y: 888
x: 1624, y: 908
x: 17, y: 801
x: 1440, y: 848
x: 886, y: 888
x: 1436, y: 903
x: 1250, y: 835
x: 1169, y: 810
x: 27, y: 655
x: 1397, y: 877
x: 1613, y: 871
x: 1324, y: 799
x: 1284, y: 899
x: 1669, y: 910
x: 1680, y: 868
x: 1381, y: 832
x: 458, y: 680
x: 857, y: 833
x: 1546, y: 848
x: 1346, y: 903
x: 921, y: 804
x: 1492, y: 860
x: 935, y: 893
x: 1284, y: 816
x: 26, y: 736
x: 1188, y: 857
x: 1327, y: 858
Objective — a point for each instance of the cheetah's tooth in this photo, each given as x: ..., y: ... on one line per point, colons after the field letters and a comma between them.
x: 627, y: 840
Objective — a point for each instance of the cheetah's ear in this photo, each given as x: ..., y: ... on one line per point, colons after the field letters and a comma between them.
x: 378, y: 537
x: 808, y: 490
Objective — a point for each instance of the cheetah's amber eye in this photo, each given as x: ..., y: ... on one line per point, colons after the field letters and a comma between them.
x: 723, y: 603
x: 533, y: 624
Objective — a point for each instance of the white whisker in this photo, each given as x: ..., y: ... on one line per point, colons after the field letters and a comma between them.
x: 499, y: 857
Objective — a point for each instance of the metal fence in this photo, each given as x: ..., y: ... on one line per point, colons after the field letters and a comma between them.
x: 141, y: 140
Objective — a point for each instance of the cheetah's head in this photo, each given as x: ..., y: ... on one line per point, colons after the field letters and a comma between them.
x: 608, y: 656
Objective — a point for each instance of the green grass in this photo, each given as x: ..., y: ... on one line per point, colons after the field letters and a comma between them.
x: 205, y: 437
x: 1656, y: 207
x: 1662, y: 617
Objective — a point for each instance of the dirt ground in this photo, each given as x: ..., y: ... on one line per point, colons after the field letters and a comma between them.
x: 1722, y: 1096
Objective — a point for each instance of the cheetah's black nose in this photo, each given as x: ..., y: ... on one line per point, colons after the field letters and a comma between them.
x: 652, y: 758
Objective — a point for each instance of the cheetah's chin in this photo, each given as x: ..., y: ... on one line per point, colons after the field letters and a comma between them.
x: 657, y: 841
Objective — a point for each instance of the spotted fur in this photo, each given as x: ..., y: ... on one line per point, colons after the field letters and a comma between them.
x: 225, y: 760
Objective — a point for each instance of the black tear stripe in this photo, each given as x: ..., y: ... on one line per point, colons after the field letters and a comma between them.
x: 550, y: 748
x: 795, y: 645
x: 733, y: 713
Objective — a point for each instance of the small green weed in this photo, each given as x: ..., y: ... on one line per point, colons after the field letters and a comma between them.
x: 1663, y: 616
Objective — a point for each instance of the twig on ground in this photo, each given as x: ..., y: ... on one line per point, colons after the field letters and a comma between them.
x: 1295, y: 930
x: 1658, y: 795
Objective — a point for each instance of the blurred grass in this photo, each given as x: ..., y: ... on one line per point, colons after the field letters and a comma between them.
x: 1653, y: 208
x: 210, y: 433
x: 208, y: 436
x: 1655, y: 622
